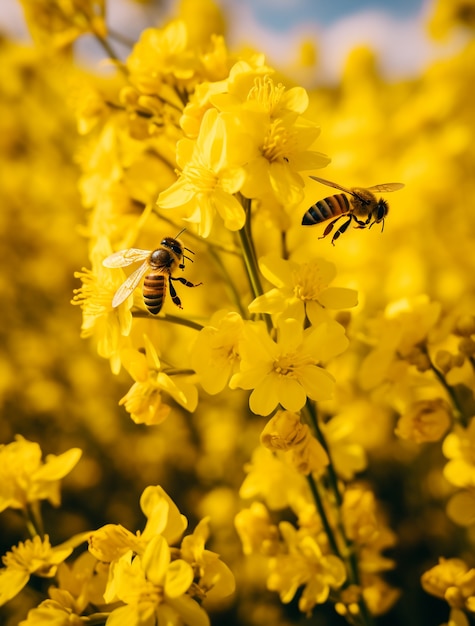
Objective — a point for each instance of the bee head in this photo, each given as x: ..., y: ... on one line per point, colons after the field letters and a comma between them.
x: 174, y: 245
x: 382, y: 208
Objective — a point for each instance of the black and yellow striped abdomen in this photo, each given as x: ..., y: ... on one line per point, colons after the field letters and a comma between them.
x: 325, y: 209
x: 154, y: 290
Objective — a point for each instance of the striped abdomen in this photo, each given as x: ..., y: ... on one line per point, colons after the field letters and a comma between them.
x: 154, y: 290
x: 326, y: 209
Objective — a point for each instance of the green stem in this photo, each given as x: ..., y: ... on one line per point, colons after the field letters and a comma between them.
x: 323, y: 515
x: 250, y: 258
x: 459, y: 413
x: 120, y: 38
x: 229, y: 283
x: 33, y: 520
x: 283, y: 245
x: 172, y: 319
x: 250, y: 262
x: 109, y: 50
x: 178, y: 372
x: 350, y: 556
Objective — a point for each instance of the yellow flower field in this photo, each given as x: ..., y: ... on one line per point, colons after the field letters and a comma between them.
x: 238, y: 321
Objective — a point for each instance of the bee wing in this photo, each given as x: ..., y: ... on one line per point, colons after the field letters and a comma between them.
x: 125, y: 257
x: 129, y: 285
x: 334, y: 185
x: 352, y: 192
x: 385, y: 187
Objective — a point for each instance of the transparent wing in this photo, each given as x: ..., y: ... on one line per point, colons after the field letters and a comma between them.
x: 352, y: 192
x: 130, y: 284
x: 330, y: 184
x: 385, y: 187
x: 125, y: 257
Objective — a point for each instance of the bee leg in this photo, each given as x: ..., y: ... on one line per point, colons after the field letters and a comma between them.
x: 342, y: 229
x: 330, y: 226
x: 362, y: 224
x: 184, y: 281
x: 173, y: 293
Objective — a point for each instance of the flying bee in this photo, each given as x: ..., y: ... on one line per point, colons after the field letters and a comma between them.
x: 362, y: 207
x: 156, y: 270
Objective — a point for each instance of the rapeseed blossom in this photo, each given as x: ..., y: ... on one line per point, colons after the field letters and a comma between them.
x: 301, y: 290
x: 34, y: 556
x: 26, y: 479
x: 304, y: 565
x: 288, y: 370
x: 211, y: 176
x: 144, y: 399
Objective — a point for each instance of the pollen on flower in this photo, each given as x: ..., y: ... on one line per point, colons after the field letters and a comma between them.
x: 289, y: 364
x: 26, y: 553
x: 93, y: 296
x: 278, y: 143
x: 200, y: 178
x: 266, y: 93
x: 308, y: 282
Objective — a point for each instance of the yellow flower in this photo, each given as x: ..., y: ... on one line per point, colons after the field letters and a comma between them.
x: 112, y: 541
x: 459, y: 448
x: 285, y: 432
x: 237, y: 81
x: 255, y: 530
x: 348, y: 456
x: 153, y: 588
x: 214, y: 579
x: 364, y: 526
x: 405, y: 326
x: 282, y: 139
x: 215, y: 353
x: 461, y: 507
x: 425, y: 420
x: 51, y: 612
x: 161, y: 56
x: 274, y: 481
x: 288, y: 371
x: 163, y: 516
x: 60, y: 23
x: 209, y: 178
x: 106, y: 324
x: 34, y: 556
x: 453, y: 581
x: 301, y: 290
x: 25, y: 479
x: 305, y: 566
x: 144, y: 399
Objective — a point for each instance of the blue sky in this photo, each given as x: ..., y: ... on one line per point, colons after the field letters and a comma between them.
x: 277, y: 28
x: 280, y: 14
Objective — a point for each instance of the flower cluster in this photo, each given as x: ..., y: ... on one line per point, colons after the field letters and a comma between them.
x: 135, y: 577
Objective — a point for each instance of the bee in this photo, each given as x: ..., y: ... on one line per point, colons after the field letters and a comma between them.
x: 156, y: 270
x: 362, y: 207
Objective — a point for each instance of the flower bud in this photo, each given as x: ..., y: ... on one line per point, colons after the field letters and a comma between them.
x: 465, y: 326
x: 443, y: 361
x: 467, y: 346
x: 425, y: 420
x: 283, y: 431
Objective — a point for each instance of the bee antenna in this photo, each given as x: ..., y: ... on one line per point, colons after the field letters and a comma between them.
x: 181, y: 231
